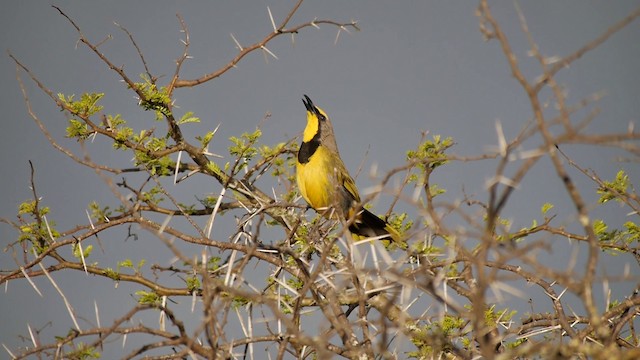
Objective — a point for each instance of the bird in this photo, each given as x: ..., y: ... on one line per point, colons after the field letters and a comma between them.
x: 325, y: 183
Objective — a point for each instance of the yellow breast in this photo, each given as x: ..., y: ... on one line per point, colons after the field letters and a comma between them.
x: 315, y: 179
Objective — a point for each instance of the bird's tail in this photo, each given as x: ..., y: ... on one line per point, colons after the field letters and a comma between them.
x: 367, y: 224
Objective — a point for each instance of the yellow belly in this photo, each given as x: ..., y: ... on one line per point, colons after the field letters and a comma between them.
x: 316, y: 180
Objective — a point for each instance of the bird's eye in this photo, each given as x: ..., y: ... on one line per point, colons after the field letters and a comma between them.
x: 322, y: 117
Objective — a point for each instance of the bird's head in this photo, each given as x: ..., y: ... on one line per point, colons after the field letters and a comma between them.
x: 317, y: 120
x: 319, y: 126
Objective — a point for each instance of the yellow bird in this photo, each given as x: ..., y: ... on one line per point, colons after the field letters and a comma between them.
x: 324, y: 181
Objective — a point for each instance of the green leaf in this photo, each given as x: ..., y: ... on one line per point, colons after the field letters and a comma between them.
x: 431, y: 153
x: 614, y: 189
x: 83, y: 352
x: 206, y: 139
x: 99, y: 214
x: 188, y: 118
x: 86, y: 251
x: 295, y: 283
x: 243, y: 146
x: 112, y: 274
x: 632, y: 232
x: 148, y: 298
x: 193, y: 283
x: 153, y: 99
x: 435, y: 190
x: 546, y: 207
x: 214, y: 168
x: 85, y: 107
x: 599, y: 227
x: 27, y: 207
x: 77, y: 130
x: 238, y: 302
x: 213, y: 263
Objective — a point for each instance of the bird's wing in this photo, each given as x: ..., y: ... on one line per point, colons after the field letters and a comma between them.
x: 347, y: 183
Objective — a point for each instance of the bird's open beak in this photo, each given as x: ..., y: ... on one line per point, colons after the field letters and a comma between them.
x: 309, y: 105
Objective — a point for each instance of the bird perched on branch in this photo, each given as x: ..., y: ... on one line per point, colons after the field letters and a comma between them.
x: 325, y: 183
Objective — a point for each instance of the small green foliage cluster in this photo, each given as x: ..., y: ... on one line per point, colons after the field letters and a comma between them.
x: 492, y: 317
x: 77, y: 130
x: 85, y: 253
x: 37, y: 228
x: 144, y: 144
x: 99, y: 214
x: 213, y: 168
x: 431, y: 153
x: 152, y: 98
x: 127, y: 263
x: 521, y: 235
x: 112, y: 274
x: 83, y: 108
x: 629, y: 234
x: 193, y: 283
x: 121, y: 133
x: 400, y: 222
x: 238, y: 302
x: 545, y: 208
x: 206, y: 139
x: 188, y: 118
x: 214, y: 263
x: 83, y: 351
x: 148, y: 298
x: 613, y: 190
x: 157, y: 165
x: 244, y: 147
x: 153, y: 196
x: 281, y: 165
x: 426, y: 348
x: 295, y: 283
x: 425, y: 249
x: 208, y: 201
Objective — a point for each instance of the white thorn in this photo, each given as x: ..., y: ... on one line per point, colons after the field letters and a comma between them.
x: 95, y: 307
x: 84, y: 263
x: 237, y: 44
x: 269, y: 52
x: 273, y: 23
x: 286, y: 286
x: 90, y: 221
x: 26, y: 276
x: 33, y: 338
x: 164, y: 224
x: 175, y: 176
x: 9, y: 351
x: 232, y: 259
x: 502, y: 142
x: 44, y: 217
x: 209, y: 226
x: 163, y: 315
x: 337, y: 37
x: 64, y: 298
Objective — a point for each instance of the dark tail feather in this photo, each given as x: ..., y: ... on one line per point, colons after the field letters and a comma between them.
x: 368, y: 224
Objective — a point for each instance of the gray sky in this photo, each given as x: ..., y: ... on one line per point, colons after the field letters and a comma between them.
x: 421, y: 65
